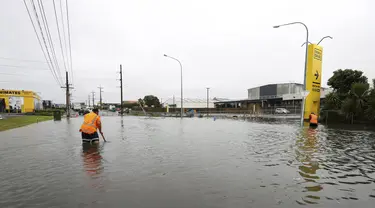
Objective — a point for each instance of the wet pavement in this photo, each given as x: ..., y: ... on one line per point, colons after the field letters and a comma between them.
x: 168, y: 162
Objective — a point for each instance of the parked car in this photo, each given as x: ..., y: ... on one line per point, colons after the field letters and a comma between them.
x: 281, y: 111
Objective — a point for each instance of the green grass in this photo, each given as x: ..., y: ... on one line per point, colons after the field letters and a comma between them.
x: 19, y: 121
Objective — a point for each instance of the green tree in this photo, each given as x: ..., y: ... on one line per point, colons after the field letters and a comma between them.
x: 151, y: 101
x: 355, y: 103
x: 141, y: 102
x: 126, y: 104
x: 332, y: 101
x: 342, y: 80
x: 370, y: 111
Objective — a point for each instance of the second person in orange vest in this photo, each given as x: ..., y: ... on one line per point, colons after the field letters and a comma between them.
x: 91, y: 124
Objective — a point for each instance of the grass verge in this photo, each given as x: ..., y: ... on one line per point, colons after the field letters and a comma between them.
x: 19, y: 121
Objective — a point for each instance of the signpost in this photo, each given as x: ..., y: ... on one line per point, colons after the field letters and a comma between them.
x: 304, y: 95
x: 313, y: 80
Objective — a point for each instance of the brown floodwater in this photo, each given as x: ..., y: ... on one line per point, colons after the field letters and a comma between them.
x: 168, y: 162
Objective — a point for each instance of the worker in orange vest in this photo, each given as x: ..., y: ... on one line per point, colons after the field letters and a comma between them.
x: 89, y: 127
x: 313, y: 120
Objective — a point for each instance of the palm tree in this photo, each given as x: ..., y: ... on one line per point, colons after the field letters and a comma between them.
x: 356, y: 102
x: 370, y: 111
x: 332, y: 101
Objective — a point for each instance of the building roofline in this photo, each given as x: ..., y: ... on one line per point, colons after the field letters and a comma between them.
x: 275, y: 84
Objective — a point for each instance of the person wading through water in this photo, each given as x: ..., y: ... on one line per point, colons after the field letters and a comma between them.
x: 313, y: 120
x: 91, y: 123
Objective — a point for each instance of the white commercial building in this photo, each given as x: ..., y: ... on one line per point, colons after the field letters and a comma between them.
x: 189, y: 103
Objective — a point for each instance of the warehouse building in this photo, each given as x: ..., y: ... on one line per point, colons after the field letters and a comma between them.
x: 189, y: 103
x: 19, y: 101
x: 286, y: 95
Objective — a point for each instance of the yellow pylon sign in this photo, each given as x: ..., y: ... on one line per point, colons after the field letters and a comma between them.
x: 313, y: 80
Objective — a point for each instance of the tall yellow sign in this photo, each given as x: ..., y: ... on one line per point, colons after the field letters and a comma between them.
x: 313, y: 80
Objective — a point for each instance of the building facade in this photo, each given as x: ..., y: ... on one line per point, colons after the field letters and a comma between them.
x: 285, y: 91
x: 20, y: 101
x: 268, y: 97
x: 189, y: 103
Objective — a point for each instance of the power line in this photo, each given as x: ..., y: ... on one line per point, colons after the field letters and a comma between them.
x: 11, y: 74
x: 15, y: 66
x: 46, y: 28
x: 64, y: 36
x: 40, y: 43
x: 58, y: 30
x: 44, y: 40
x: 70, y: 46
x: 12, y: 59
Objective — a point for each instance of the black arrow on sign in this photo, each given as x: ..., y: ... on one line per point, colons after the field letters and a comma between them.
x: 316, y: 75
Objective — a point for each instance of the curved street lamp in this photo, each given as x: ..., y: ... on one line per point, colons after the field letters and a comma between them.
x: 324, y: 38
x: 182, y: 99
x: 305, y: 43
x: 320, y: 40
x: 304, y: 77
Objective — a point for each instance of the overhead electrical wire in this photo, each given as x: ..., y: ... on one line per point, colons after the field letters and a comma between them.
x: 11, y: 74
x: 41, y: 46
x: 44, y: 41
x: 16, y: 66
x: 49, y: 37
x: 64, y: 35
x: 12, y: 59
x: 58, y: 30
x: 70, y: 46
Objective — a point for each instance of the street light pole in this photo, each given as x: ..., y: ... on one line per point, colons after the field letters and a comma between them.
x: 306, y: 51
x: 208, y: 97
x: 325, y: 38
x: 182, y: 98
x: 320, y: 40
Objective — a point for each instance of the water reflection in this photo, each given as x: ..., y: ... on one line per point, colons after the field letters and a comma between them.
x: 92, y: 160
x: 332, y: 164
x: 307, y: 149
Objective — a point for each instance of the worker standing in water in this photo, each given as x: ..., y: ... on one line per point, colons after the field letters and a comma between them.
x: 313, y: 120
x: 91, y: 124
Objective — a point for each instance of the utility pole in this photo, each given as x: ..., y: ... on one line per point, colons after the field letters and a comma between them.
x: 67, y: 87
x: 174, y: 103
x: 88, y: 101
x: 100, y: 95
x: 93, y: 99
x: 121, y: 104
x: 208, y: 95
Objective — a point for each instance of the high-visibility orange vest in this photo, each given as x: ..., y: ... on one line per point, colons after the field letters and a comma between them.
x: 314, y: 119
x: 90, y: 123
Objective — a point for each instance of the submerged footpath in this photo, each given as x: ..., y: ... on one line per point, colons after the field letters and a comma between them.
x: 13, y: 122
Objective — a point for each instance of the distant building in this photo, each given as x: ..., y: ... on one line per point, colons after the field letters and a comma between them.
x: 284, y: 91
x: 270, y: 96
x: 77, y: 105
x: 20, y: 101
x: 59, y: 105
x: 192, y: 103
x: 47, y: 104
x: 126, y: 104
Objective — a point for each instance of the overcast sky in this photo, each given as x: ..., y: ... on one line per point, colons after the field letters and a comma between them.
x: 229, y: 46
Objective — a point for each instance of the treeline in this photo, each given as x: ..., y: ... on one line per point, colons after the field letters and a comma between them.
x: 352, y: 98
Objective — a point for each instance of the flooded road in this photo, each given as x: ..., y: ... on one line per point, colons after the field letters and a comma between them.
x: 168, y: 162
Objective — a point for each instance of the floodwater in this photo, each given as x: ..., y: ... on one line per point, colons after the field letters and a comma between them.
x: 168, y: 162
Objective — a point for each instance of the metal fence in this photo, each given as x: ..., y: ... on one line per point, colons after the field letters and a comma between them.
x: 291, y: 110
